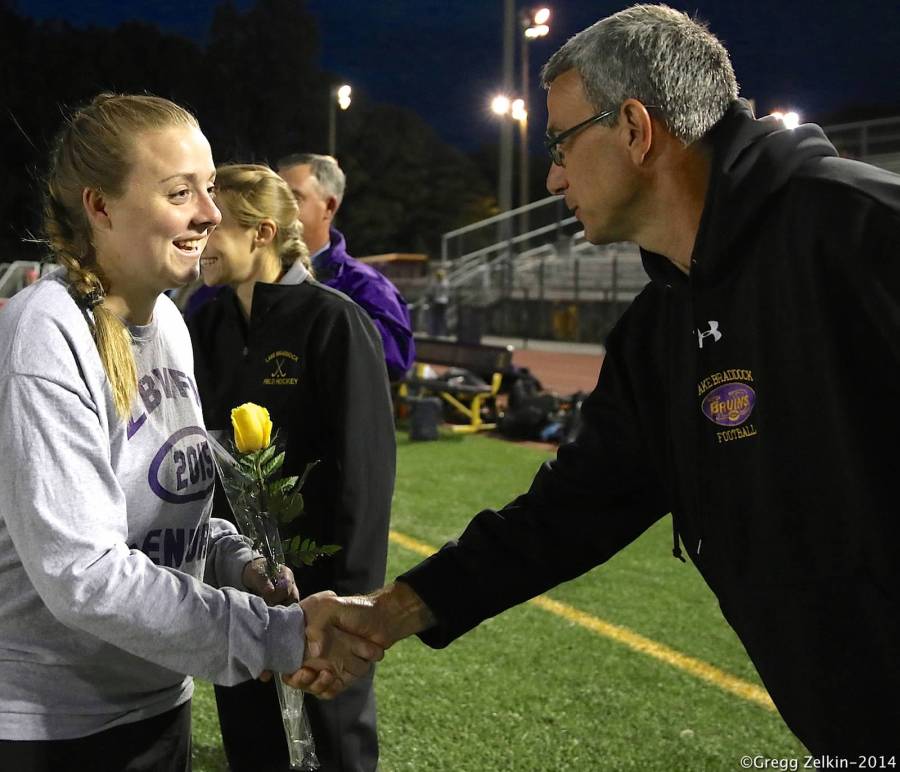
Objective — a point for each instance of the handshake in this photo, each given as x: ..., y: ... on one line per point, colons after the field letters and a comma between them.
x: 344, y: 635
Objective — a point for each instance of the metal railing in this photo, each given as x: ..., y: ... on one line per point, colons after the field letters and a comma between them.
x: 866, y: 140
x: 542, y: 220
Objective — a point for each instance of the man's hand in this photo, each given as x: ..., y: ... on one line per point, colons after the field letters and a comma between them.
x: 283, y: 593
x: 379, y: 620
x: 334, y: 658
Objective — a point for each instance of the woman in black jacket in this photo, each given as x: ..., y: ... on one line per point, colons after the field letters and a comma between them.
x: 276, y: 337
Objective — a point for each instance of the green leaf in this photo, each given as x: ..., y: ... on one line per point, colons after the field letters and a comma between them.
x: 308, y: 551
x: 282, y: 485
x: 267, y: 453
x: 300, y: 557
x: 307, y: 558
x: 272, y: 466
x: 291, y: 509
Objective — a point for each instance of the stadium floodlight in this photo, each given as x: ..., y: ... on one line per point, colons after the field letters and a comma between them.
x: 519, y: 113
x: 343, y: 96
x: 501, y: 105
x: 790, y: 119
x: 534, y: 23
x: 537, y: 32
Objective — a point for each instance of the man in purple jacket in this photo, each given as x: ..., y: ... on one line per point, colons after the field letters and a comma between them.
x: 318, y: 184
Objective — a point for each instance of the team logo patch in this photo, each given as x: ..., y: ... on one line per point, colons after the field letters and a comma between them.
x: 284, y: 366
x: 729, y: 404
x: 182, y: 469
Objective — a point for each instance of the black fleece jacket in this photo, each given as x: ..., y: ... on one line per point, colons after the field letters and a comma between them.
x: 756, y: 400
x: 314, y: 359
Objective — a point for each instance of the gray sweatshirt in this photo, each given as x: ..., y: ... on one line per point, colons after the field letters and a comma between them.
x: 109, y: 560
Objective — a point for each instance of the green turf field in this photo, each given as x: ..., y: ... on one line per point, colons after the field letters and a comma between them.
x: 532, y: 691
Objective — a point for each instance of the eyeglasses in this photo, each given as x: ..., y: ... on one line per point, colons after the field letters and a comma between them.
x: 553, y: 141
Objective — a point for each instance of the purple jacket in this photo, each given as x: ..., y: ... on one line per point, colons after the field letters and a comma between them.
x: 376, y: 295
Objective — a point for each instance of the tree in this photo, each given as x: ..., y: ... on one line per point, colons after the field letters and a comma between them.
x: 265, y: 94
x: 405, y: 186
x: 258, y: 93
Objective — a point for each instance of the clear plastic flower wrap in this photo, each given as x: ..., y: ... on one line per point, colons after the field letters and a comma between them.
x: 261, y: 502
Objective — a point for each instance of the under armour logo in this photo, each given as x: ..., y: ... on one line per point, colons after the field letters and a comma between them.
x: 279, y: 369
x: 713, y: 330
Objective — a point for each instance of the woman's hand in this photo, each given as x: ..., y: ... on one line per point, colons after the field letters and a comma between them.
x: 283, y: 593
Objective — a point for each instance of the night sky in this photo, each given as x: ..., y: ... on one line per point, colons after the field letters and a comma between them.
x: 443, y: 59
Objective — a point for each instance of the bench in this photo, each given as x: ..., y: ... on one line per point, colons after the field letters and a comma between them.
x: 489, y: 363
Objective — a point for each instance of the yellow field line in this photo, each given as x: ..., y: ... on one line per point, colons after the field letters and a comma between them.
x: 634, y: 641
x: 411, y: 544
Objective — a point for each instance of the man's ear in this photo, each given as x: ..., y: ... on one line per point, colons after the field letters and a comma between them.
x: 635, y: 121
x: 265, y: 233
x: 95, y: 208
x: 331, y: 207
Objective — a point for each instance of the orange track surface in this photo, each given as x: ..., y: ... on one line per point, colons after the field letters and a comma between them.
x: 561, y: 372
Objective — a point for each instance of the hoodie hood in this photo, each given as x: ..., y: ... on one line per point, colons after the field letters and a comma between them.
x: 751, y: 161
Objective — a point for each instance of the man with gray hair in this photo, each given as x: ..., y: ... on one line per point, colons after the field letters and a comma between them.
x: 318, y: 184
x: 746, y: 390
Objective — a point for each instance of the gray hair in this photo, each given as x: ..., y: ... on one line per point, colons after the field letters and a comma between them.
x: 658, y: 56
x: 332, y: 180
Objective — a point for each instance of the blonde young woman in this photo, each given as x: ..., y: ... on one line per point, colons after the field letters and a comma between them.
x: 314, y: 358
x: 114, y: 581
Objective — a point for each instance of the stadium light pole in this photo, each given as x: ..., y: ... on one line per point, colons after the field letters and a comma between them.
x: 338, y: 97
x: 505, y: 186
x: 534, y: 26
x: 519, y: 113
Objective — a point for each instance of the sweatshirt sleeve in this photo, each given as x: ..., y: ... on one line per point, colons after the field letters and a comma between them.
x: 228, y: 553
x: 595, y: 498
x: 64, y: 511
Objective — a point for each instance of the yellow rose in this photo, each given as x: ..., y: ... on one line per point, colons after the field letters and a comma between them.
x: 252, y: 427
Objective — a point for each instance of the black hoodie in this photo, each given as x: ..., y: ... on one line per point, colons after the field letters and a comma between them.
x: 757, y: 400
